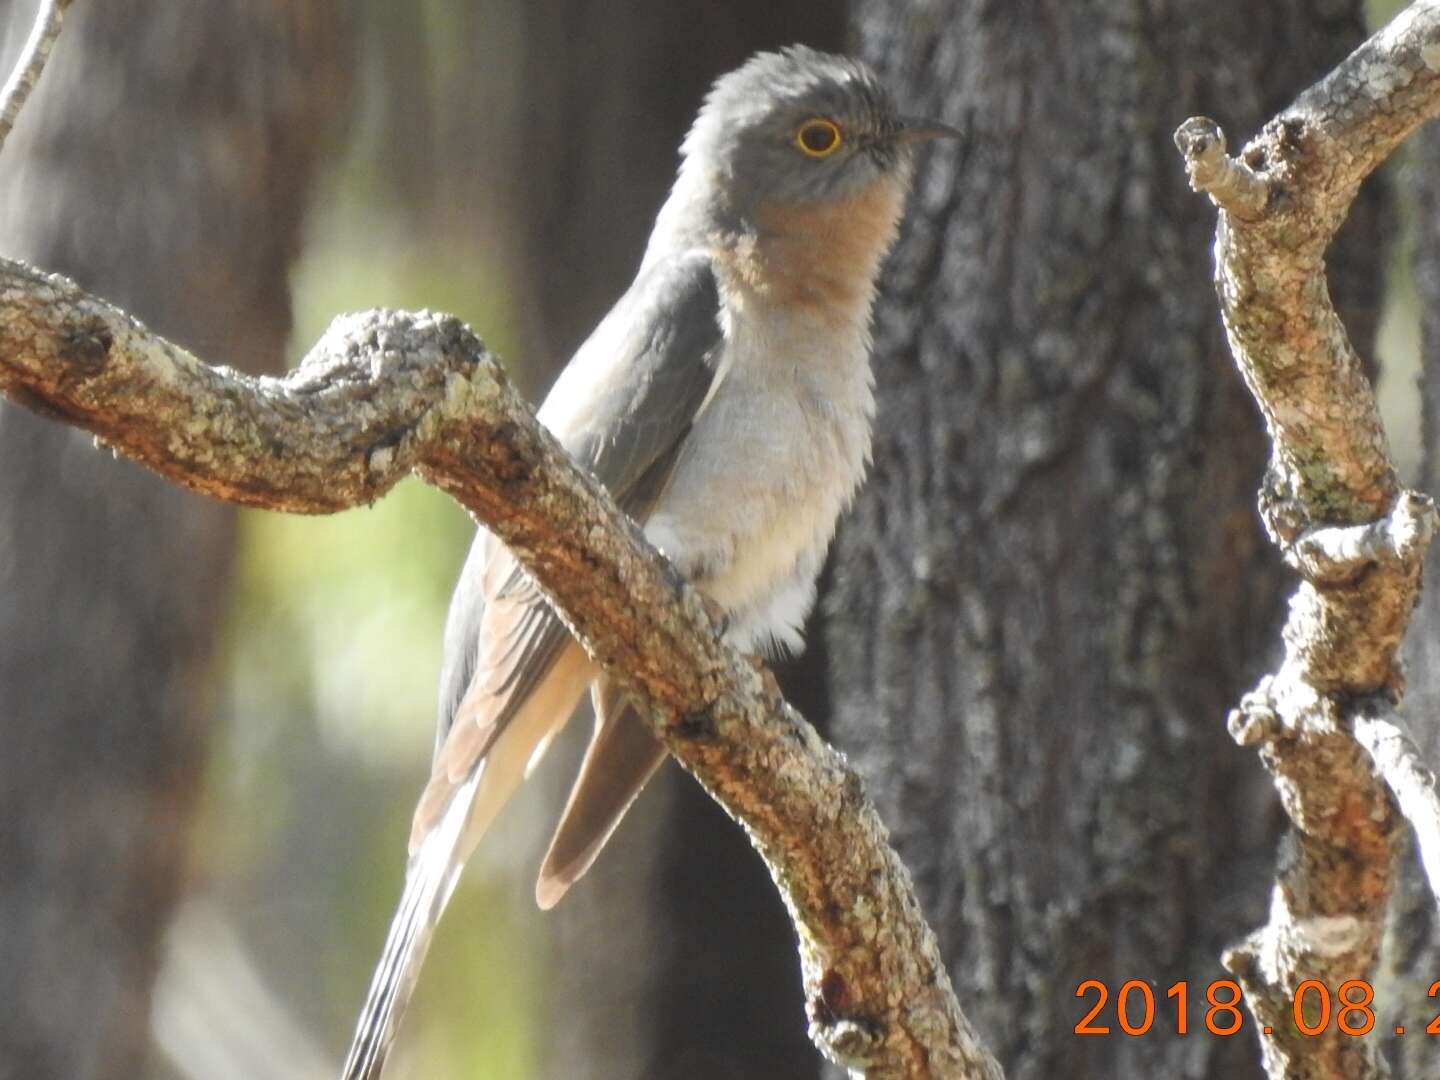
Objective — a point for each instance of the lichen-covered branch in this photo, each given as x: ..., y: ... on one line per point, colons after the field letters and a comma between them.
x: 1333, y: 504
x: 384, y: 394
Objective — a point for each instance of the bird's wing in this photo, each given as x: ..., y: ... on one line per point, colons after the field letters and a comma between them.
x: 622, y: 409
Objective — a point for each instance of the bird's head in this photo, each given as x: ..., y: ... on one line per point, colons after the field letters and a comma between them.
x: 800, y: 127
x: 800, y: 159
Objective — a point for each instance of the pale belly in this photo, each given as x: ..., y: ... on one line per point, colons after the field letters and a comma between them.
x: 750, y: 526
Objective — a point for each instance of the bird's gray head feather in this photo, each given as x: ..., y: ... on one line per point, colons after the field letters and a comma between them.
x: 795, y: 126
x: 790, y: 131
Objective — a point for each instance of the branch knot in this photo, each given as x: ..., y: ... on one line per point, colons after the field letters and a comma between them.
x: 1231, y: 184
x: 1338, y: 554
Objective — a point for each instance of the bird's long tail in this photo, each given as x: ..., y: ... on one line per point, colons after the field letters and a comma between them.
x: 429, y: 881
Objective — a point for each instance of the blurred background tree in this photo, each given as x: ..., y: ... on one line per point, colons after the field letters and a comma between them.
x: 164, y: 163
x: 1047, y: 597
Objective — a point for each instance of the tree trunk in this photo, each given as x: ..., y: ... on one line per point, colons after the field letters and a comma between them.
x: 1055, y: 583
x: 162, y: 163
x: 1423, y: 645
x: 1412, y: 946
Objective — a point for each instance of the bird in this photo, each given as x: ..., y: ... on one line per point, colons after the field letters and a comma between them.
x: 726, y: 402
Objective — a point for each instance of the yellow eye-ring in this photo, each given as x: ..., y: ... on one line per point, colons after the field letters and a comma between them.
x: 818, y: 138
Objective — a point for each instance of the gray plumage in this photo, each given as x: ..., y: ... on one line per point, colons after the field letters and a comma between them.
x: 665, y: 334
x: 725, y: 401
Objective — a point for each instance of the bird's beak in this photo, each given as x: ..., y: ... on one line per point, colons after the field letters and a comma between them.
x: 915, y: 128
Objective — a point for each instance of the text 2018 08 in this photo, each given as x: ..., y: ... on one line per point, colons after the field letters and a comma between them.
x: 1315, y: 1008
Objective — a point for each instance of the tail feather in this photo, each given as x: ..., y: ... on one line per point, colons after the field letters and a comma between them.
x: 450, y: 820
x: 429, y: 881
x: 623, y: 754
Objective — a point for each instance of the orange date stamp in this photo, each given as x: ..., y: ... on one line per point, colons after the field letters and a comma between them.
x: 1316, y: 1009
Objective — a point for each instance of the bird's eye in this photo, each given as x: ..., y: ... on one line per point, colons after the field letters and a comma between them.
x: 818, y: 138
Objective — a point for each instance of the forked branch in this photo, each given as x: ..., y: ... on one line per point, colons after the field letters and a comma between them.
x: 1333, y: 504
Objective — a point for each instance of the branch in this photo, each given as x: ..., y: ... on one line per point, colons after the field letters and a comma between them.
x: 31, y: 62
x: 1399, y: 762
x: 384, y: 394
x: 1333, y: 504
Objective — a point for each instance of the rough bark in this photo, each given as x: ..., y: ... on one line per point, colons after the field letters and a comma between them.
x: 163, y: 160
x: 1055, y: 584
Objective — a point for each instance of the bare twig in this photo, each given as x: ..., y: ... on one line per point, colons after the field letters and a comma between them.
x: 1232, y: 184
x: 387, y: 393
x: 32, y: 60
x: 1399, y: 761
x: 1332, y: 502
